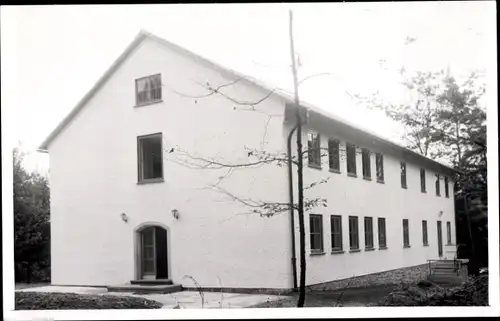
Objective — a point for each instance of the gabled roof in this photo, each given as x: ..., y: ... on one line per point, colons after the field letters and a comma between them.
x: 252, y: 81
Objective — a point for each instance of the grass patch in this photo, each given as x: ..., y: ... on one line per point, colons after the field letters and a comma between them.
x: 72, y: 301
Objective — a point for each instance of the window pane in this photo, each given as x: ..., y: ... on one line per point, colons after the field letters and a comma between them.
x: 353, y: 232
x: 438, y: 191
x: 366, y: 163
x: 148, y: 89
x: 316, y: 232
x: 314, y: 152
x: 351, y: 158
x: 382, y: 232
x: 333, y: 154
x: 406, y: 233
x: 403, y: 175
x: 422, y: 180
x: 379, y: 161
x: 151, y: 157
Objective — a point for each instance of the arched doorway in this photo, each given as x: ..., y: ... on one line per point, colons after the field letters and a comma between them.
x: 152, y: 252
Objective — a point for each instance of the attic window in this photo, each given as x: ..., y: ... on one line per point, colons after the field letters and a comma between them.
x: 148, y: 90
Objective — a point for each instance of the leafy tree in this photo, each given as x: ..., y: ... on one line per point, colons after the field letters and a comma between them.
x: 31, y: 223
x: 445, y: 121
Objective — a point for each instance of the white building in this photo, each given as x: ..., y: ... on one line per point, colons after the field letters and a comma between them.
x: 124, y: 206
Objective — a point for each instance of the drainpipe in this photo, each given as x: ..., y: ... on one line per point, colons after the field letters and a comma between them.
x: 292, y: 218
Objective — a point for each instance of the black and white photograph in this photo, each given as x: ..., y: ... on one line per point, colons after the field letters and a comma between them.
x: 249, y: 160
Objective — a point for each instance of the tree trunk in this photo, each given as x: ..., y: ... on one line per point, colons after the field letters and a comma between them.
x: 300, y: 210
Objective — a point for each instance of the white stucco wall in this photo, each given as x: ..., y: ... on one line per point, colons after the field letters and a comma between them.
x: 93, y: 180
x: 354, y: 196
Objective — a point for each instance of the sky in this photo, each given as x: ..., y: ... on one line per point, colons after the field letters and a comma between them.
x: 52, y: 55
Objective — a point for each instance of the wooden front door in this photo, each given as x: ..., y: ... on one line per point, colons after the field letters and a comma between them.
x: 440, y: 238
x: 154, y: 262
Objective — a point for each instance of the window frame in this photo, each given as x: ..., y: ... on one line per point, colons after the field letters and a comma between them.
x: 140, y: 159
x: 379, y: 164
x: 366, y: 159
x: 423, y: 183
x: 403, y: 169
x: 312, y: 234
x: 425, y: 234
x: 313, y: 154
x: 334, y: 155
x: 437, y: 185
x: 137, y: 103
x: 406, y: 233
x: 368, y: 233
x: 382, y: 233
x: 351, y: 149
x: 353, y: 233
x: 336, y: 247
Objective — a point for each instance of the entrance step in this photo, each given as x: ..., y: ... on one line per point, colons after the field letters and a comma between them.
x: 135, y: 288
x: 152, y: 282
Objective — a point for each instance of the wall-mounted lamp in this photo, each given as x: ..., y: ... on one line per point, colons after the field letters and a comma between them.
x: 124, y: 217
x: 440, y: 213
x: 175, y: 214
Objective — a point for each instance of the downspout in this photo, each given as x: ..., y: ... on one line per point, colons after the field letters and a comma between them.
x: 292, y: 218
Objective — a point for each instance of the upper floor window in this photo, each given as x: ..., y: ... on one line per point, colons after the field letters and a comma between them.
x: 403, y: 175
x: 150, y: 157
x: 446, y: 187
x: 422, y: 180
x: 314, y: 149
x: 351, y: 159
x: 333, y: 155
x: 148, y: 89
x: 367, y: 173
x: 379, y: 162
x: 316, y: 231
x: 438, y: 186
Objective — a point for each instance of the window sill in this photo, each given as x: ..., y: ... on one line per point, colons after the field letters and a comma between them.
x: 151, y: 181
x: 450, y: 244
x: 381, y: 182
x: 447, y: 197
x: 317, y: 253
x: 352, y: 175
x: 423, y: 192
x: 438, y: 195
x: 314, y: 166
x: 383, y: 248
x: 406, y: 246
x: 426, y: 244
x: 148, y: 103
x: 404, y: 187
x: 367, y: 178
x: 335, y: 171
x: 354, y: 250
x: 337, y: 252
x: 369, y: 249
